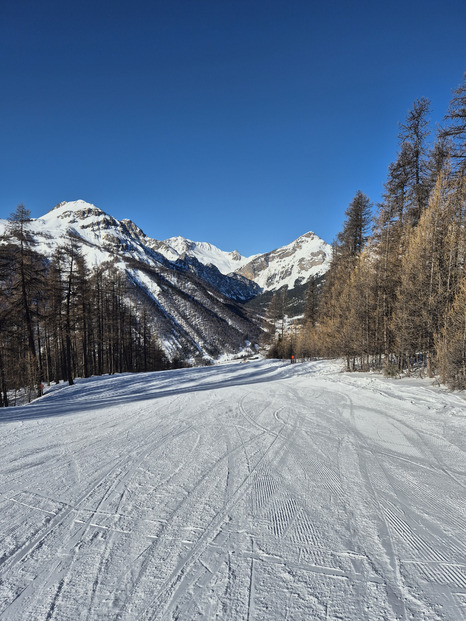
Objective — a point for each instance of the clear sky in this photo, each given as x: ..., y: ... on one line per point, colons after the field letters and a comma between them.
x: 245, y: 123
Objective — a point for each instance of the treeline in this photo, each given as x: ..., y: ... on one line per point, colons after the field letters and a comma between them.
x: 58, y: 321
x: 395, y: 295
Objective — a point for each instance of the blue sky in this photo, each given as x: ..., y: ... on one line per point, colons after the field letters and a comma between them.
x: 245, y: 123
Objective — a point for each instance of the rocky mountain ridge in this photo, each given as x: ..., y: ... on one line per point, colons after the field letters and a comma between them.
x: 290, y: 265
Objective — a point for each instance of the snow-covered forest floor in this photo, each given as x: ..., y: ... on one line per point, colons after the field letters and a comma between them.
x: 256, y: 491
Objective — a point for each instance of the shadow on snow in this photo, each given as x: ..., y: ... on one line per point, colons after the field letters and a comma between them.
x: 96, y: 393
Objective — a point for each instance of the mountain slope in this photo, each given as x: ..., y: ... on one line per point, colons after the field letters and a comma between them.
x: 195, y: 310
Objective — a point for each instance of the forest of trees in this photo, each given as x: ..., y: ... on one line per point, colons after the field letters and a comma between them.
x: 59, y: 322
x: 395, y: 295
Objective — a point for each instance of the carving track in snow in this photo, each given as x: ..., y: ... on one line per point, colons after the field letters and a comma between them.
x: 258, y: 491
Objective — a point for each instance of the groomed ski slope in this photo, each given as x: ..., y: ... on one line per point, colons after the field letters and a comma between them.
x: 256, y: 491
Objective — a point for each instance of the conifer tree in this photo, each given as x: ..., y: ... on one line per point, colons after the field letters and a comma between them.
x: 413, y: 134
x: 311, y: 302
x: 353, y: 238
x: 394, y: 206
x: 455, y: 129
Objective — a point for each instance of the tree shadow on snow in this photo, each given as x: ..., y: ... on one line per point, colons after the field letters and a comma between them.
x: 97, y: 393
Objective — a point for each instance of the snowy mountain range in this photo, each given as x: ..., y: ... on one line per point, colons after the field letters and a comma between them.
x: 290, y: 265
x: 195, y: 290
x: 179, y: 247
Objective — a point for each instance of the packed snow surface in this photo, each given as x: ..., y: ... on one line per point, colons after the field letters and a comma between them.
x: 251, y: 491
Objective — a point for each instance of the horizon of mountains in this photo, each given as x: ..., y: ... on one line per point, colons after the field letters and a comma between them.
x: 196, y: 292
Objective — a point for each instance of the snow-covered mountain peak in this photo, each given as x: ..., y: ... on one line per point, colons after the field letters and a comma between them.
x: 204, y: 252
x: 305, y: 242
x: 78, y: 216
x: 291, y: 265
x: 309, y: 236
x: 84, y: 218
x: 74, y: 210
x: 71, y: 205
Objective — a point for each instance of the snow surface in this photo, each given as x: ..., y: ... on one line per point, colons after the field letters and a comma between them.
x: 250, y: 491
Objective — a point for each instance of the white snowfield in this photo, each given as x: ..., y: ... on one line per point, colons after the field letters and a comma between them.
x: 257, y: 491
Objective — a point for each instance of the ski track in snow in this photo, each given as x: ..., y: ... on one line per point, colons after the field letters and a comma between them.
x: 254, y: 491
